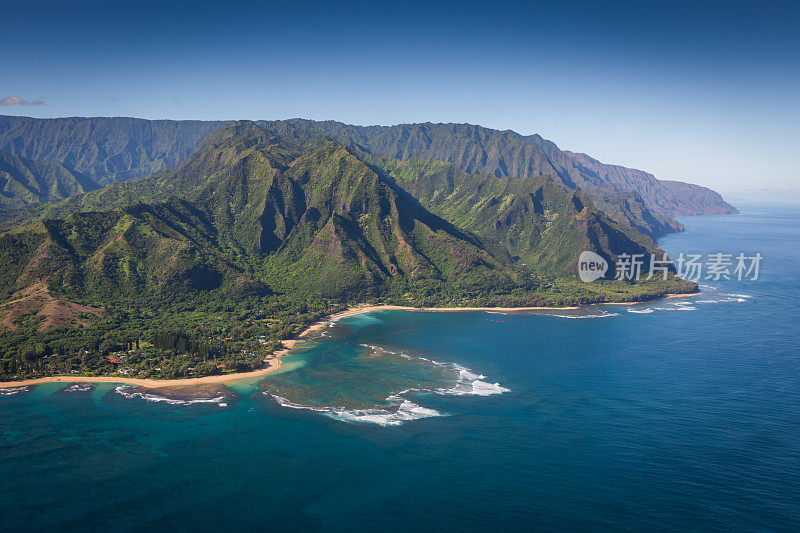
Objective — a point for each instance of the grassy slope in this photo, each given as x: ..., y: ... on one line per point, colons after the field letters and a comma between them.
x: 24, y: 182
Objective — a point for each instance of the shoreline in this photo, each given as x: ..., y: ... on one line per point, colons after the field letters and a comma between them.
x: 274, y: 360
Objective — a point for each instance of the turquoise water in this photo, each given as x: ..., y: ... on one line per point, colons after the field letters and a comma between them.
x: 679, y: 414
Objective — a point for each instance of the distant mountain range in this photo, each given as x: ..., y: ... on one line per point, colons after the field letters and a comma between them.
x: 107, y: 150
x: 475, y: 149
x: 112, y: 150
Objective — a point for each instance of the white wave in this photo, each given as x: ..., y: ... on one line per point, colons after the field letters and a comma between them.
x: 79, y: 387
x: 724, y: 298
x: 380, y: 349
x: 431, y: 361
x: 471, y: 384
x: 728, y: 300
x: 475, y: 388
x: 682, y: 303
x: 122, y: 391
x: 404, y: 411
x: 647, y: 310
x: 11, y: 391
x: 599, y: 315
x: 283, y: 402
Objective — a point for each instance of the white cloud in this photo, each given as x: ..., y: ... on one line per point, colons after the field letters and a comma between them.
x: 16, y: 100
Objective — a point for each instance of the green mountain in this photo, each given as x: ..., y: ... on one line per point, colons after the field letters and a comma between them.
x: 537, y: 220
x: 24, y: 182
x: 256, y: 235
x: 110, y: 255
x: 315, y: 217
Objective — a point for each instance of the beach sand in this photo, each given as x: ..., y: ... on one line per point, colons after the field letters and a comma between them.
x: 274, y: 360
x: 273, y: 363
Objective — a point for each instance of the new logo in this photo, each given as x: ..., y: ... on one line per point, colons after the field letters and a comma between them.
x: 591, y: 266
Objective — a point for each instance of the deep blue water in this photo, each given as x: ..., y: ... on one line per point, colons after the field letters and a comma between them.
x: 652, y: 421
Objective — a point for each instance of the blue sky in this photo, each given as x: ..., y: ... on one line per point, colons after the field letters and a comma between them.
x: 701, y: 92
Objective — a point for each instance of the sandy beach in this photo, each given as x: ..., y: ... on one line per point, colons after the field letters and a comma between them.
x: 273, y: 363
x: 274, y: 360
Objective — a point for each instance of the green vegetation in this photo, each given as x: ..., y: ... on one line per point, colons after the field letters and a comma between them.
x: 205, y: 268
x: 537, y: 220
x: 24, y: 182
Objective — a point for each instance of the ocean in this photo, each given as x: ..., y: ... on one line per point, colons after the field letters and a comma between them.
x: 679, y: 414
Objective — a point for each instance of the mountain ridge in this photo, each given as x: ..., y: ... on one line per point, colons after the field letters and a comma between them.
x: 24, y: 182
x: 121, y: 148
x: 250, y: 192
x: 474, y: 149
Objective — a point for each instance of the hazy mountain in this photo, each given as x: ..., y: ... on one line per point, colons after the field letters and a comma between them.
x: 107, y: 150
x: 111, y: 150
x: 475, y: 149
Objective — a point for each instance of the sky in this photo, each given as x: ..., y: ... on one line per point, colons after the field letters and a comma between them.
x: 699, y: 92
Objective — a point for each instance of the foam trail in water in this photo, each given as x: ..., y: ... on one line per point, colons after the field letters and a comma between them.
x: 403, y: 411
x: 10, y: 391
x: 283, y: 402
x: 647, y: 310
x: 598, y: 315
